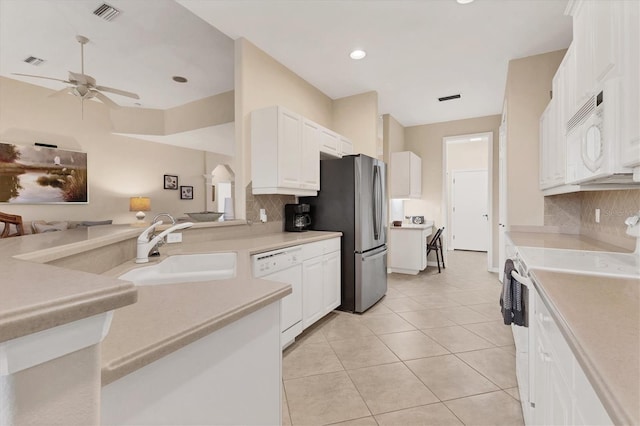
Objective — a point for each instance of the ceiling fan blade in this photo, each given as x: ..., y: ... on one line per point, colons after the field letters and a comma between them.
x: 78, y: 78
x: 65, y: 91
x: 108, y: 102
x: 40, y: 76
x: 118, y: 92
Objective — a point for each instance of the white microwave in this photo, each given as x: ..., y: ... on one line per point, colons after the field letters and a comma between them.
x: 593, y: 153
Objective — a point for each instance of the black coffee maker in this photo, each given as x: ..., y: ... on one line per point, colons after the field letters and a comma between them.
x: 296, y: 217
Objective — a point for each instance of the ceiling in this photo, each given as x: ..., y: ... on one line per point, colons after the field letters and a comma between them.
x: 417, y: 50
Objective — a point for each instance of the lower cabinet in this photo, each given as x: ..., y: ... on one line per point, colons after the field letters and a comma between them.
x: 320, y: 280
x: 563, y: 395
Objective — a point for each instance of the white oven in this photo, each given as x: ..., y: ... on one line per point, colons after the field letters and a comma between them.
x: 524, y: 339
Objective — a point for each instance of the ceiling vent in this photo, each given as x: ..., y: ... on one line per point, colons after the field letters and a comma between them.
x: 106, y: 12
x: 34, y: 61
x: 448, y: 98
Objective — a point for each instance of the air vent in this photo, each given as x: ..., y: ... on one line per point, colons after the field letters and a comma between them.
x: 106, y: 12
x: 448, y: 98
x: 582, y: 114
x: 34, y: 61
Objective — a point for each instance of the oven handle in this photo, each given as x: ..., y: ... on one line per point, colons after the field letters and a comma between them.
x: 526, y: 281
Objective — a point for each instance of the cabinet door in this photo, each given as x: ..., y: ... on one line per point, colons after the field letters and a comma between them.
x: 312, y: 283
x: 415, y: 167
x: 329, y: 142
x: 630, y: 92
x: 310, y: 159
x: 346, y: 146
x: 560, y: 398
x: 605, y: 41
x: 289, y: 149
x: 583, y: 40
x: 545, y: 126
x: 331, y: 281
x: 541, y: 359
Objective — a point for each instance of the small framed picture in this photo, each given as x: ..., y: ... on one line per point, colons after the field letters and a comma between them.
x: 186, y: 192
x: 170, y: 182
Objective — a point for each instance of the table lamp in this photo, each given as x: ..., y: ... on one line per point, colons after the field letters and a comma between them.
x: 140, y: 205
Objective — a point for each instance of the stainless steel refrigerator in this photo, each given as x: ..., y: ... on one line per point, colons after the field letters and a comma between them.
x: 352, y: 200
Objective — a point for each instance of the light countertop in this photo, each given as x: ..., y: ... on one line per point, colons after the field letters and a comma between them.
x: 428, y: 224
x: 168, y: 317
x: 37, y: 296
x: 600, y: 319
x: 561, y: 241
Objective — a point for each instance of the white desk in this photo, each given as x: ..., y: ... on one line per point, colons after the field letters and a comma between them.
x: 408, y: 247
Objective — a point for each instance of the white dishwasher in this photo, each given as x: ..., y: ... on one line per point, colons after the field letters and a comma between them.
x: 284, y: 265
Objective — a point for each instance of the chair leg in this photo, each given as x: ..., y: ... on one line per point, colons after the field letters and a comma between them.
x: 438, y: 260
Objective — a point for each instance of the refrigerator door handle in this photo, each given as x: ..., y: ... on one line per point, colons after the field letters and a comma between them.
x: 376, y: 225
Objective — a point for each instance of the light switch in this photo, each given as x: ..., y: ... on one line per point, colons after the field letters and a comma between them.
x: 597, y: 215
x: 174, y: 237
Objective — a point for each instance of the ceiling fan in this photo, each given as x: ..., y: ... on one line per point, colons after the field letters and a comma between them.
x: 83, y: 85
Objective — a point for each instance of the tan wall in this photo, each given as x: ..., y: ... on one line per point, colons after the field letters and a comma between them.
x: 527, y: 95
x: 467, y: 156
x: 209, y: 111
x: 261, y: 81
x: 118, y: 167
x: 356, y: 117
x: 426, y: 142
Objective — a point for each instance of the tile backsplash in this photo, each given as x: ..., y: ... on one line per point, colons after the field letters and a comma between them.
x: 273, y: 204
x: 577, y: 211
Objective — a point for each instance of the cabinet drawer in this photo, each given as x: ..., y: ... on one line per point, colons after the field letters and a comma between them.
x: 331, y: 245
x: 311, y: 250
x: 558, y: 347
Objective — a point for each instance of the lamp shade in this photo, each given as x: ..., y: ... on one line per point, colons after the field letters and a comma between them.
x: 139, y: 204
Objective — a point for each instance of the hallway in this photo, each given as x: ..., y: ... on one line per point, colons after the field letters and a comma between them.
x: 434, y: 351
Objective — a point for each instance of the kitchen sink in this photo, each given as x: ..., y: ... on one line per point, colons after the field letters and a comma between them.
x: 185, y: 268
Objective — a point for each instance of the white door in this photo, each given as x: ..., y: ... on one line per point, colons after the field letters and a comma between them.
x: 312, y: 300
x: 331, y: 281
x: 470, y: 220
x: 502, y: 196
x: 289, y: 150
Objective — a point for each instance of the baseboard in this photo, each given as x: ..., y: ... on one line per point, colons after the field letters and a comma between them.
x: 494, y: 269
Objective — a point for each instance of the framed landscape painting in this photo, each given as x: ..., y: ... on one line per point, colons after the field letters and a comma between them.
x: 42, y: 175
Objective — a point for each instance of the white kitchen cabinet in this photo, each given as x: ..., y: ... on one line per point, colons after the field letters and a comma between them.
x: 408, y: 248
x: 597, y: 40
x: 563, y: 395
x: 346, y: 146
x: 310, y: 172
x: 278, y: 153
x: 331, y: 277
x: 329, y: 142
x: 553, y: 136
x: 630, y: 132
x: 405, y: 175
x: 312, y: 295
x: 321, y: 280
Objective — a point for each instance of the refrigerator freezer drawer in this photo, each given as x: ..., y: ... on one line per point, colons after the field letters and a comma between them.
x: 371, y: 278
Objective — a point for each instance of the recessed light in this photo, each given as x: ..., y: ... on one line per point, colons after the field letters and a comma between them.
x: 464, y: 1
x: 179, y: 79
x: 358, y: 54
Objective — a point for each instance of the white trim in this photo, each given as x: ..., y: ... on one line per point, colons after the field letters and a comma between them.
x: 444, y: 210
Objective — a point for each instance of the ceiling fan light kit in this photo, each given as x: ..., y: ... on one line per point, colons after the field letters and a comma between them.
x: 83, y: 85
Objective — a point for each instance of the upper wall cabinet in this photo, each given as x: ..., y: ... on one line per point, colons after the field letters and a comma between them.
x: 405, y: 175
x: 630, y: 135
x: 596, y: 35
x: 284, y: 153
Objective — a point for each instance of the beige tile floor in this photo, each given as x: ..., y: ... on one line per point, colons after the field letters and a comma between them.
x: 434, y: 351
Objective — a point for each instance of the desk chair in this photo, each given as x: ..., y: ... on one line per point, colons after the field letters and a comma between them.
x: 436, y: 245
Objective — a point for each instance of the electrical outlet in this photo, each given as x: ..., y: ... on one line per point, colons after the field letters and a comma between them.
x: 174, y: 237
x: 263, y: 215
x: 597, y: 215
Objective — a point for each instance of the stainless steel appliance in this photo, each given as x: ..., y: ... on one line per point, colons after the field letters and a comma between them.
x: 296, y: 217
x: 352, y: 200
